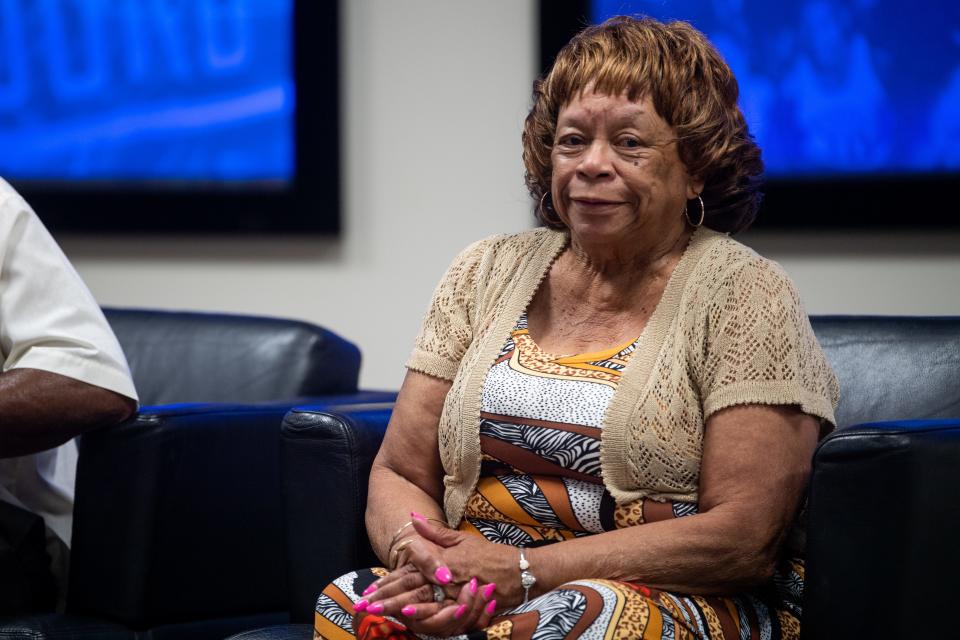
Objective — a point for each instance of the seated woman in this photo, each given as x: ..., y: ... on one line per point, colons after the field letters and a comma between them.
x: 607, y: 424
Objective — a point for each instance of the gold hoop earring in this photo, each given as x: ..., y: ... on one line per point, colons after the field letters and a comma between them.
x: 703, y: 213
x: 543, y: 212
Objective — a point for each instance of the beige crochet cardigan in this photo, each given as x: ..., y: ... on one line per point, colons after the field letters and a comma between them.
x: 728, y: 330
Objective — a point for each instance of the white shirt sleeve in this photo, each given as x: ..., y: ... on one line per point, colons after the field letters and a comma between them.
x: 49, y: 320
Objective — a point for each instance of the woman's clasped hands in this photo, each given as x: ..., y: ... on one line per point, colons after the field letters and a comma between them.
x: 433, y: 589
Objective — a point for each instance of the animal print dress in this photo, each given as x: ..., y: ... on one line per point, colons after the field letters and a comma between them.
x: 540, y: 483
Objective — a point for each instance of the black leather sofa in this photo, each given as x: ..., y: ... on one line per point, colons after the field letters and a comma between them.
x: 884, y: 506
x: 179, y: 528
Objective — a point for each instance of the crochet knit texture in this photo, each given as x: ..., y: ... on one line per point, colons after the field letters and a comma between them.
x: 729, y: 330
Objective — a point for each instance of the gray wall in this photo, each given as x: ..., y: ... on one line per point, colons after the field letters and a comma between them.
x: 434, y: 95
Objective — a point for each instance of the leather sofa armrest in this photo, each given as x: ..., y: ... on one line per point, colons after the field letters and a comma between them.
x: 178, y: 517
x: 178, y: 514
x: 326, y: 455
x: 884, y: 513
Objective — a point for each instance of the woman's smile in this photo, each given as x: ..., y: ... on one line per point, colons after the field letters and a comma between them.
x: 595, y: 205
x: 616, y: 173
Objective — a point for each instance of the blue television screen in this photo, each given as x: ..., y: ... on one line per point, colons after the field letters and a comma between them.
x: 836, y: 87
x: 147, y: 91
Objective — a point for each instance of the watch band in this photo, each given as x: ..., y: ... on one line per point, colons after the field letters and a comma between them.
x: 527, y: 579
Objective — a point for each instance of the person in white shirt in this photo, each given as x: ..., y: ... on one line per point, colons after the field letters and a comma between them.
x: 63, y: 373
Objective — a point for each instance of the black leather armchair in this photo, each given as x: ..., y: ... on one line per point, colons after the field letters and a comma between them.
x: 178, y: 528
x: 884, y: 509
x: 882, y: 515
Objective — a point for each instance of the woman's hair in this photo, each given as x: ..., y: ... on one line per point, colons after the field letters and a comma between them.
x: 692, y: 89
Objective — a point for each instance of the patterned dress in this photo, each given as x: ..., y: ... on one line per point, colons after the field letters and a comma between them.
x: 540, y: 482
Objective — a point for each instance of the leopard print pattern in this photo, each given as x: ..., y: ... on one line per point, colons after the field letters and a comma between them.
x: 500, y: 631
x: 789, y: 625
x: 635, y: 616
x: 480, y: 508
x: 549, y: 533
x: 628, y: 515
x: 673, y: 609
x: 529, y: 356
x: 713, y: 622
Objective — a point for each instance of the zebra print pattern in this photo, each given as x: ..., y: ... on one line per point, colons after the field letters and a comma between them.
x: 508, y: 347
x: 528, y: 495
x: 681, y: 509
x: 559, y: 614
x: 501, y: 532
x: 616, y: 362
x: 568, y: 450
x: 789, y: 585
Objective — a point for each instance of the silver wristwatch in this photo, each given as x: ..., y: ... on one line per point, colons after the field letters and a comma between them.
x: 527, y: 579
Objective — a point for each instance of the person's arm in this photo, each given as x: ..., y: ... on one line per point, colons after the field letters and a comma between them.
x: 407, y: 474
x: 40, y: 410
x: 64, y: 372
x: 406, y: 478
x: 755, y: 466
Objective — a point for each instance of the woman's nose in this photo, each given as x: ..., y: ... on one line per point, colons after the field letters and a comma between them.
x: 596, y: 161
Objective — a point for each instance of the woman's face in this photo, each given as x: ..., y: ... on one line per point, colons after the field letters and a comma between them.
x: 616, y: 173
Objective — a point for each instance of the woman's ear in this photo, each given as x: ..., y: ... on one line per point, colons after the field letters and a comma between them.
x: 694, y: 187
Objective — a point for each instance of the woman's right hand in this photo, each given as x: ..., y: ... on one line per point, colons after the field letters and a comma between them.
x: 407, y: 595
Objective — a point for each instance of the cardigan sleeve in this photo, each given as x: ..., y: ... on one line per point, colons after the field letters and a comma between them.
x: 760, y: 348
x: 447, y: 328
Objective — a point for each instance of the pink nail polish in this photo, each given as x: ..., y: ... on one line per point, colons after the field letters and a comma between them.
x: 473, y: 586
x: 460, y: 611
x: 409, y: 610
x: 361, y: 605
x: 443, y: 575
x: 369, y: 590
x: 377, y: 608
x: 488, y: 590
x: 491, y: 607
x: 416, y: 516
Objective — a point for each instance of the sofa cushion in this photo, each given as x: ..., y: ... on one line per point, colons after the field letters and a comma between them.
x: 893, y: 368
x: 215, y: 357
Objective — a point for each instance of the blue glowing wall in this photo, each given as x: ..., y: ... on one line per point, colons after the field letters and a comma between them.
x: 840, y: 86
x: 147, y: 90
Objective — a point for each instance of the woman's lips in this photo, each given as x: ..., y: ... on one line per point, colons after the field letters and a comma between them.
x: 595, y: 203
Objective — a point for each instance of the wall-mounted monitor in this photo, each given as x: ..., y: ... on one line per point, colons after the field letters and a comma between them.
x: 161, y: 115
x: 855, y: 103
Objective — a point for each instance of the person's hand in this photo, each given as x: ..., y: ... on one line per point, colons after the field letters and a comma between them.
x: 463, y: 556
x: 408, y: 596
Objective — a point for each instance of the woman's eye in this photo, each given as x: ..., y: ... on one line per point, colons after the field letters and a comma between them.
x: 631, y: 143
x: 571, y: 140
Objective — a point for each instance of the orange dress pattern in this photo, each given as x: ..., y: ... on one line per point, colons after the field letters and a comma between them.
x: 540, y: 483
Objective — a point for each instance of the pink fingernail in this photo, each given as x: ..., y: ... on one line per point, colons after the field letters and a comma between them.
x: 369, y: 590
x: 491, y: 607
x: 473, y: 586
x: 416, y: 516
x: 443, y: 575
x: 377, y: 608
x: 460, y: 611
x: 409, y: 610
x: 361, y: 605
x: 488, y: 590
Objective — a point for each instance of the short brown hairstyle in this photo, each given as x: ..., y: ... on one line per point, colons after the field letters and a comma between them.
x: 692, y: 89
